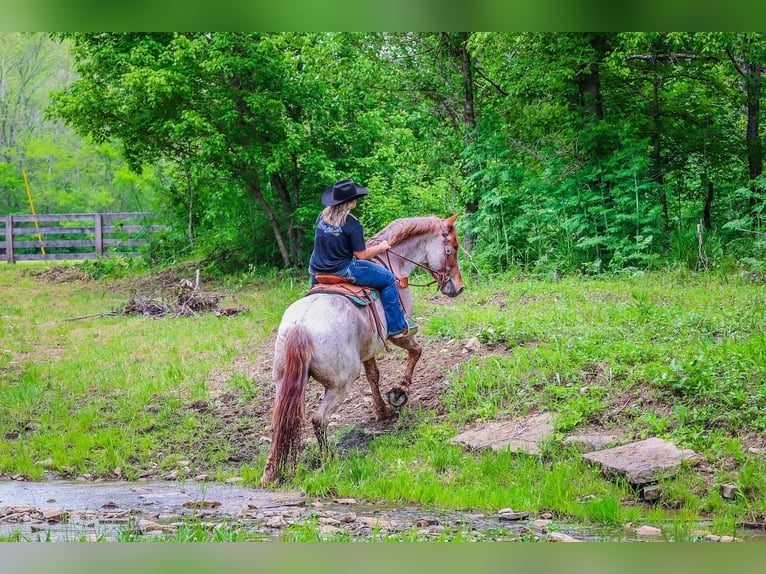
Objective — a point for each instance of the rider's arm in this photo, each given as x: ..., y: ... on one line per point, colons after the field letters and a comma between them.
x: 372, y: 250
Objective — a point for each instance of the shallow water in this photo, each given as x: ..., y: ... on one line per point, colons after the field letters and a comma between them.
x: 78, y: 510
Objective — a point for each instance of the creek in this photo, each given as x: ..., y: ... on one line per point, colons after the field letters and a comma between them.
x: 69, y: 511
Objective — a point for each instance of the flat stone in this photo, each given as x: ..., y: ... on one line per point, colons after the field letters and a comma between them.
x: 729, y: 491
x: 517, y: 436
x: 589, y: 443
x: 561, y: 537
x: 649, y: 532
x: 510, y: 515
x: 641, y: 462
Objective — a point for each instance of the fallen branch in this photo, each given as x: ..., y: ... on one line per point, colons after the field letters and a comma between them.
x: 750, y: 231
x: 104, y: 314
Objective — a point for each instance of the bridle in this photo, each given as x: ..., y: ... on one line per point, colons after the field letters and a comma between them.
x: 441, y: 276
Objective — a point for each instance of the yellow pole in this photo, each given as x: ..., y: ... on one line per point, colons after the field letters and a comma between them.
x: 32, y: 205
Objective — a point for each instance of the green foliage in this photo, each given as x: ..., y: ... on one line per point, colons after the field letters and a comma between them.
x: 112, y: 267
x: 565, y: 152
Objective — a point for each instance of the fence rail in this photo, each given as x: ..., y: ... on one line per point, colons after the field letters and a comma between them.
x: 50, y: 237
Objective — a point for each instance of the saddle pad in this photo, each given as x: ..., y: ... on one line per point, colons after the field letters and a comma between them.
x: 361, y: 296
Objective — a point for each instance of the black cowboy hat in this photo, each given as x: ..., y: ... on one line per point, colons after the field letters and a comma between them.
x: 341, y: 191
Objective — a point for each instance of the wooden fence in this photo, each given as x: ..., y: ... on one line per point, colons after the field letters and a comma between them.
x: 73, y: 235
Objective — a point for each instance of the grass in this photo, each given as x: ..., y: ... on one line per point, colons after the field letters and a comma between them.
x: 675, y: 354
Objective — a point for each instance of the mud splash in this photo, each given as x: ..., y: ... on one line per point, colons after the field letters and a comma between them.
x: 69, y: 511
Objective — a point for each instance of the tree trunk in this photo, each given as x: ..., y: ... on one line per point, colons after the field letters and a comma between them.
x: 706, y: 213
x: 658, y: 169
x: 590, y: 80
x: 251, y: 180
x: 190, y: 186
x: 466, y: 69
x: 288, y: 198
x: 469, y: 116
x: 753, y: 74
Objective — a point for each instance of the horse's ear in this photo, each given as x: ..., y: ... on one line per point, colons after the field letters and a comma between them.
x: 451, y: 220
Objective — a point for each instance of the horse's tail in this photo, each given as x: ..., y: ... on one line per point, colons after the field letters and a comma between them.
x: 291, y: 373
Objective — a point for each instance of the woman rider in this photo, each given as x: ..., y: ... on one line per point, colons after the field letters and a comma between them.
x: 340, y: 249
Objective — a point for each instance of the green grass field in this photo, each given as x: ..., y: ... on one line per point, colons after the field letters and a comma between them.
x: 677, y: 355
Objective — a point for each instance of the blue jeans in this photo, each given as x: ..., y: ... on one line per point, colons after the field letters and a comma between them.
x: 368, y: 274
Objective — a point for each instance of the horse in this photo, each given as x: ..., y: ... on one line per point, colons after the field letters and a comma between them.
x: 329, y: 338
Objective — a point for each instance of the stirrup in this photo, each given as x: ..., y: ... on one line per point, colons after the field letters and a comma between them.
x: 412, y: 329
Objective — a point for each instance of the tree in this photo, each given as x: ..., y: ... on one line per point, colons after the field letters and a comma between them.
x: 65, y: 172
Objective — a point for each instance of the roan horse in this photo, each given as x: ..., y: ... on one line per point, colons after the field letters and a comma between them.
x: 329, y: 338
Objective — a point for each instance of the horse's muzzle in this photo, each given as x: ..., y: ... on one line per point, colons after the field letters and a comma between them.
x: 449, y: 289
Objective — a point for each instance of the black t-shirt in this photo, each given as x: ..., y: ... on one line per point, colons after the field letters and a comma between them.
x: 334, y: 247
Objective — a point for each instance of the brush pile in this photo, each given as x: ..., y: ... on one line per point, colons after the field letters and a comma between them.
x: 185, y: 300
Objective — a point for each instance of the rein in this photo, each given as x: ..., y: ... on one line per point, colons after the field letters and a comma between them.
x: 404, y: 281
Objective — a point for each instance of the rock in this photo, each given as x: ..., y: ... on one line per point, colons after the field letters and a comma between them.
x: 276, y: 522
x: 649, y: 532
x: 375, y: 522
x: 18, y: 509
x: 345, y: 501
x: 149, y: 526
x: 330, y: 521
x: 234, y: 480
x: 510, y: 515
x: 651, y: 492
x: 590, y: 443
x: 199, y: 504
x: 518, y: 436
x: 52, y: 514
x: 561, y: 537
x: 641, y: 462
x: 471, y: 345
x: 729, y: 491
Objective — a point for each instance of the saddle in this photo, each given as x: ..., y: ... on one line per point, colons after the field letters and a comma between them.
x: 357, y: 294
x: 360, y: 295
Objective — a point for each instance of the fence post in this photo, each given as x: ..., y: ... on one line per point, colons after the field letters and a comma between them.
x: 9, y: 239
x: 99, y: 236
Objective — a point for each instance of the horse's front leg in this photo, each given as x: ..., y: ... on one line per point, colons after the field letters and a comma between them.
x: 371, y: 371
x: 398, y: 394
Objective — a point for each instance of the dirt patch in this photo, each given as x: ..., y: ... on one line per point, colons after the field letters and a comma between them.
x: 60, y: 274
x: 355, y: 415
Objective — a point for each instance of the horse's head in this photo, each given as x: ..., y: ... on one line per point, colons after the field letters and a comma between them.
x: 441, y: 258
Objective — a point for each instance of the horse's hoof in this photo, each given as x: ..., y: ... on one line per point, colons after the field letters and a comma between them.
x: 397, y: 397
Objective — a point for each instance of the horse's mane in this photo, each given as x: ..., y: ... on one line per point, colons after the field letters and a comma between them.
x: 402, y: 229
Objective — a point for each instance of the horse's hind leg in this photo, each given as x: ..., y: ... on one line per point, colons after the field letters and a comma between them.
x: 398, y: 394
x: 371, y: 371
x: 333, y: 397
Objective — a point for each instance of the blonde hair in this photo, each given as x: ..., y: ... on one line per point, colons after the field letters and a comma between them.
x: 336, y: 215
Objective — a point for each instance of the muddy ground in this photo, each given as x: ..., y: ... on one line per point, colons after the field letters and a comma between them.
x: 430, y: 382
